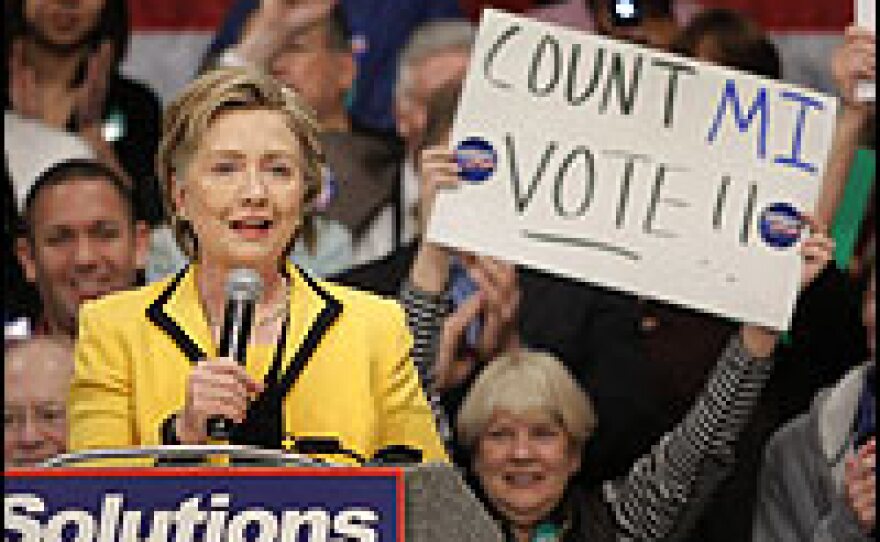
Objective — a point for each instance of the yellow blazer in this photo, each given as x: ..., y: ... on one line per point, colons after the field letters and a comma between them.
x: 358, y: 384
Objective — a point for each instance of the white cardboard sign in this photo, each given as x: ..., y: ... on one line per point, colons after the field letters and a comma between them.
x: 635, y: 169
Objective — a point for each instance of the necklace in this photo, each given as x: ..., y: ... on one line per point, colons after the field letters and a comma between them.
x: 280, y: 309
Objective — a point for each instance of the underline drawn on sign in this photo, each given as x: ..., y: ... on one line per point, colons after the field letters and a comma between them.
x: 580, y: 242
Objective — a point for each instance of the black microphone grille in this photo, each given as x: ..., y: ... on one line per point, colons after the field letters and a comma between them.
x: 244, y: 285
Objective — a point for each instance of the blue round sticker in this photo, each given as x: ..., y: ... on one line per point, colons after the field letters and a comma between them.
x: 780, y: 225
x: 476, y: 159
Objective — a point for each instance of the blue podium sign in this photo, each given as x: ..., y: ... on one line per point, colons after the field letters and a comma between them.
x: 219, y: 504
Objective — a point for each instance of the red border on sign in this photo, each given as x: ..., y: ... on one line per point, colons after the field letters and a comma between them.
x: 116, y: 472
x: 168, y: 472
x: 401, y: 506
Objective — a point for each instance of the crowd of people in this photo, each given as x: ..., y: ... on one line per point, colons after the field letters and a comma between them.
x: 574, y: 412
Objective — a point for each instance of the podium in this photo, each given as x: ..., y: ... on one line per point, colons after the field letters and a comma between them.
x: 272, y: 496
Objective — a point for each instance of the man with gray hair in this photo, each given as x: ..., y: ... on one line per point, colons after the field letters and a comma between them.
x: 36, y: 377
x: 435, y: 56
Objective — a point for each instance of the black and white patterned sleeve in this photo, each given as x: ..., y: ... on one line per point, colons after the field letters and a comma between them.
x: 657, y: 491
x: 425, y: 315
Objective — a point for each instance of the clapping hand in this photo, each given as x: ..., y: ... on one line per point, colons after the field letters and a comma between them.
x: 24, y: 96
x: 90, y: 96
x: 860, y: 482
x: 437, y: 171
x: 497, y: 300
x: 88, y: 99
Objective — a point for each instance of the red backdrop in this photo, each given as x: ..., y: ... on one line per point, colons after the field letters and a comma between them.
x: 774, y: 15
x: 177, y: 14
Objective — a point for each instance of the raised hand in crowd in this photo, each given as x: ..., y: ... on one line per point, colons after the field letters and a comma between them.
x: 437, y: 171
x: 274, y: 23
x: 854, y: 61
x: 89, y: 106
x: 90, y: 96
x: 23, y: 90
x: 496, y: 303
x: 860, y: 482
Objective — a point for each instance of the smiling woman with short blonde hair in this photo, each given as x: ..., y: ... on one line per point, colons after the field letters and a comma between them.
x: 527, y: 382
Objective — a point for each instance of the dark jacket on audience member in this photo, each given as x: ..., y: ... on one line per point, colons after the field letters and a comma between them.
x: 20, y: 299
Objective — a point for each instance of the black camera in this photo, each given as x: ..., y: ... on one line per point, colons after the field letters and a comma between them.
x: 625, y: 12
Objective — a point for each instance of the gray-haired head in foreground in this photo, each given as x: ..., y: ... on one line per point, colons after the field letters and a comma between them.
x: 524, y: 383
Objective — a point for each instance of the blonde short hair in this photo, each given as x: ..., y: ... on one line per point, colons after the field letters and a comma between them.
x: 526, y: 382
x: 188, y: 117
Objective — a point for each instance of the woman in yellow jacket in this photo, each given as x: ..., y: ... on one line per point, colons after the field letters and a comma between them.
x: 241, y: 169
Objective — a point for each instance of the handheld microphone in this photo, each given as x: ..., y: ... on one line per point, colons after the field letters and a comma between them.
x: 243, y: 288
